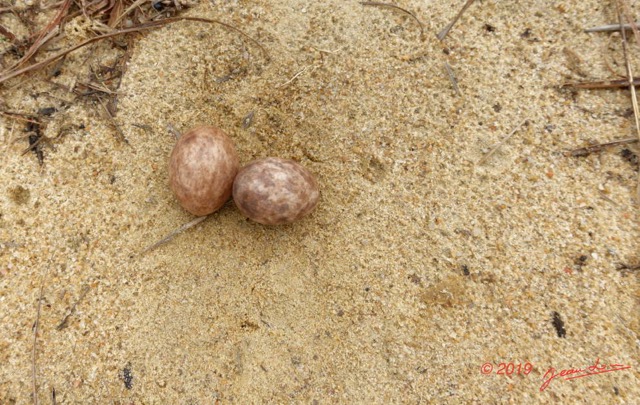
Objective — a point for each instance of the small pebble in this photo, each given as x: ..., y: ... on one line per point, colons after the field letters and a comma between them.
x: 275, y: 191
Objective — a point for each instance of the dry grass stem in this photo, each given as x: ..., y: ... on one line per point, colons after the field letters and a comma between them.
x: 394, y: 7
x: 173, y: 131
x: 72, y: 310
x: 499, y: 144
x: 121, y: 137
x: 8, y: 34
x: 174, y: 233
x: 48, y: 32
x: 632, y: 88
x: 294, y: 77
x: 595, y: 148
x: 34, y: 370
x: 98, y: 88
x: 627, y: 13
x: 605, y: 84
x: 609, y: 28
x: 446, y: 29
x: 32, y: 146
x: 9, y: 74
x: 120, y: 16
x: 19, y: 117
x: 452, y: 78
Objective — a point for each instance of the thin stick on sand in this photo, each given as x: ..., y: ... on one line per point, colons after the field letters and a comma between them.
x: 499, y: 144
x: 19, y: 116
x: 132, y: 7
x: 609, y: 28
x: 34, y: 370
x: 446, y: 29
x: 45, y: 34
x: 293, y: 78
x: 393, y: 6
x: 6, y: 33
x: 174, y: 233
x: 632, y: 88
x: 452, y: 78
x: 603, y: 84
x: 121, y: 137
x: 596, y: 148
x: 9, y: 74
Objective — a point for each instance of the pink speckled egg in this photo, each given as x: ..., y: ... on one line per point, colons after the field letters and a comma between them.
x: 275, y: 191
x: 202, y: 167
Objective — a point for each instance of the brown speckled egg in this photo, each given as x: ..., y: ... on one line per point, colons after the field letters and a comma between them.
x: 275, y: 191
x: 202, y: 167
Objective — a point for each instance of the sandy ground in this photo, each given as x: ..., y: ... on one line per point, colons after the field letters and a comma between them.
x: 419, y: 265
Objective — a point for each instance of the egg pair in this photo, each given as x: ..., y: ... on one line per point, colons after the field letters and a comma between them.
x: 204, y: 172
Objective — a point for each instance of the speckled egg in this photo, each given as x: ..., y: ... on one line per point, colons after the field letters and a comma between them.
x: 202, y: 167
x: 275, y: 191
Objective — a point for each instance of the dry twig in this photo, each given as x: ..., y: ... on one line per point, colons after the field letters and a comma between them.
x: 72, y: 310
x: 44, y: 35
x: 452, y: 78
x: 603, y: 84
x: 596, y: 148
x: 121, y: 137
x: 497, y: 146
x: 294, y: 77
x: 149, y: 25
x: 35, y: 340
x: 632, y: 88
x: 609, y: 28
x: 8, y: 34
x: 394, y: 7
x: 174, y: 233
x: 20, y: 117
x: 446, y: 29
x: 118, y: 17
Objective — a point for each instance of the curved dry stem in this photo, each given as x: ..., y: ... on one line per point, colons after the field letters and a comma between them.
x: 9, y: 74
x: 393, y: 6
x: 174, y: 233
